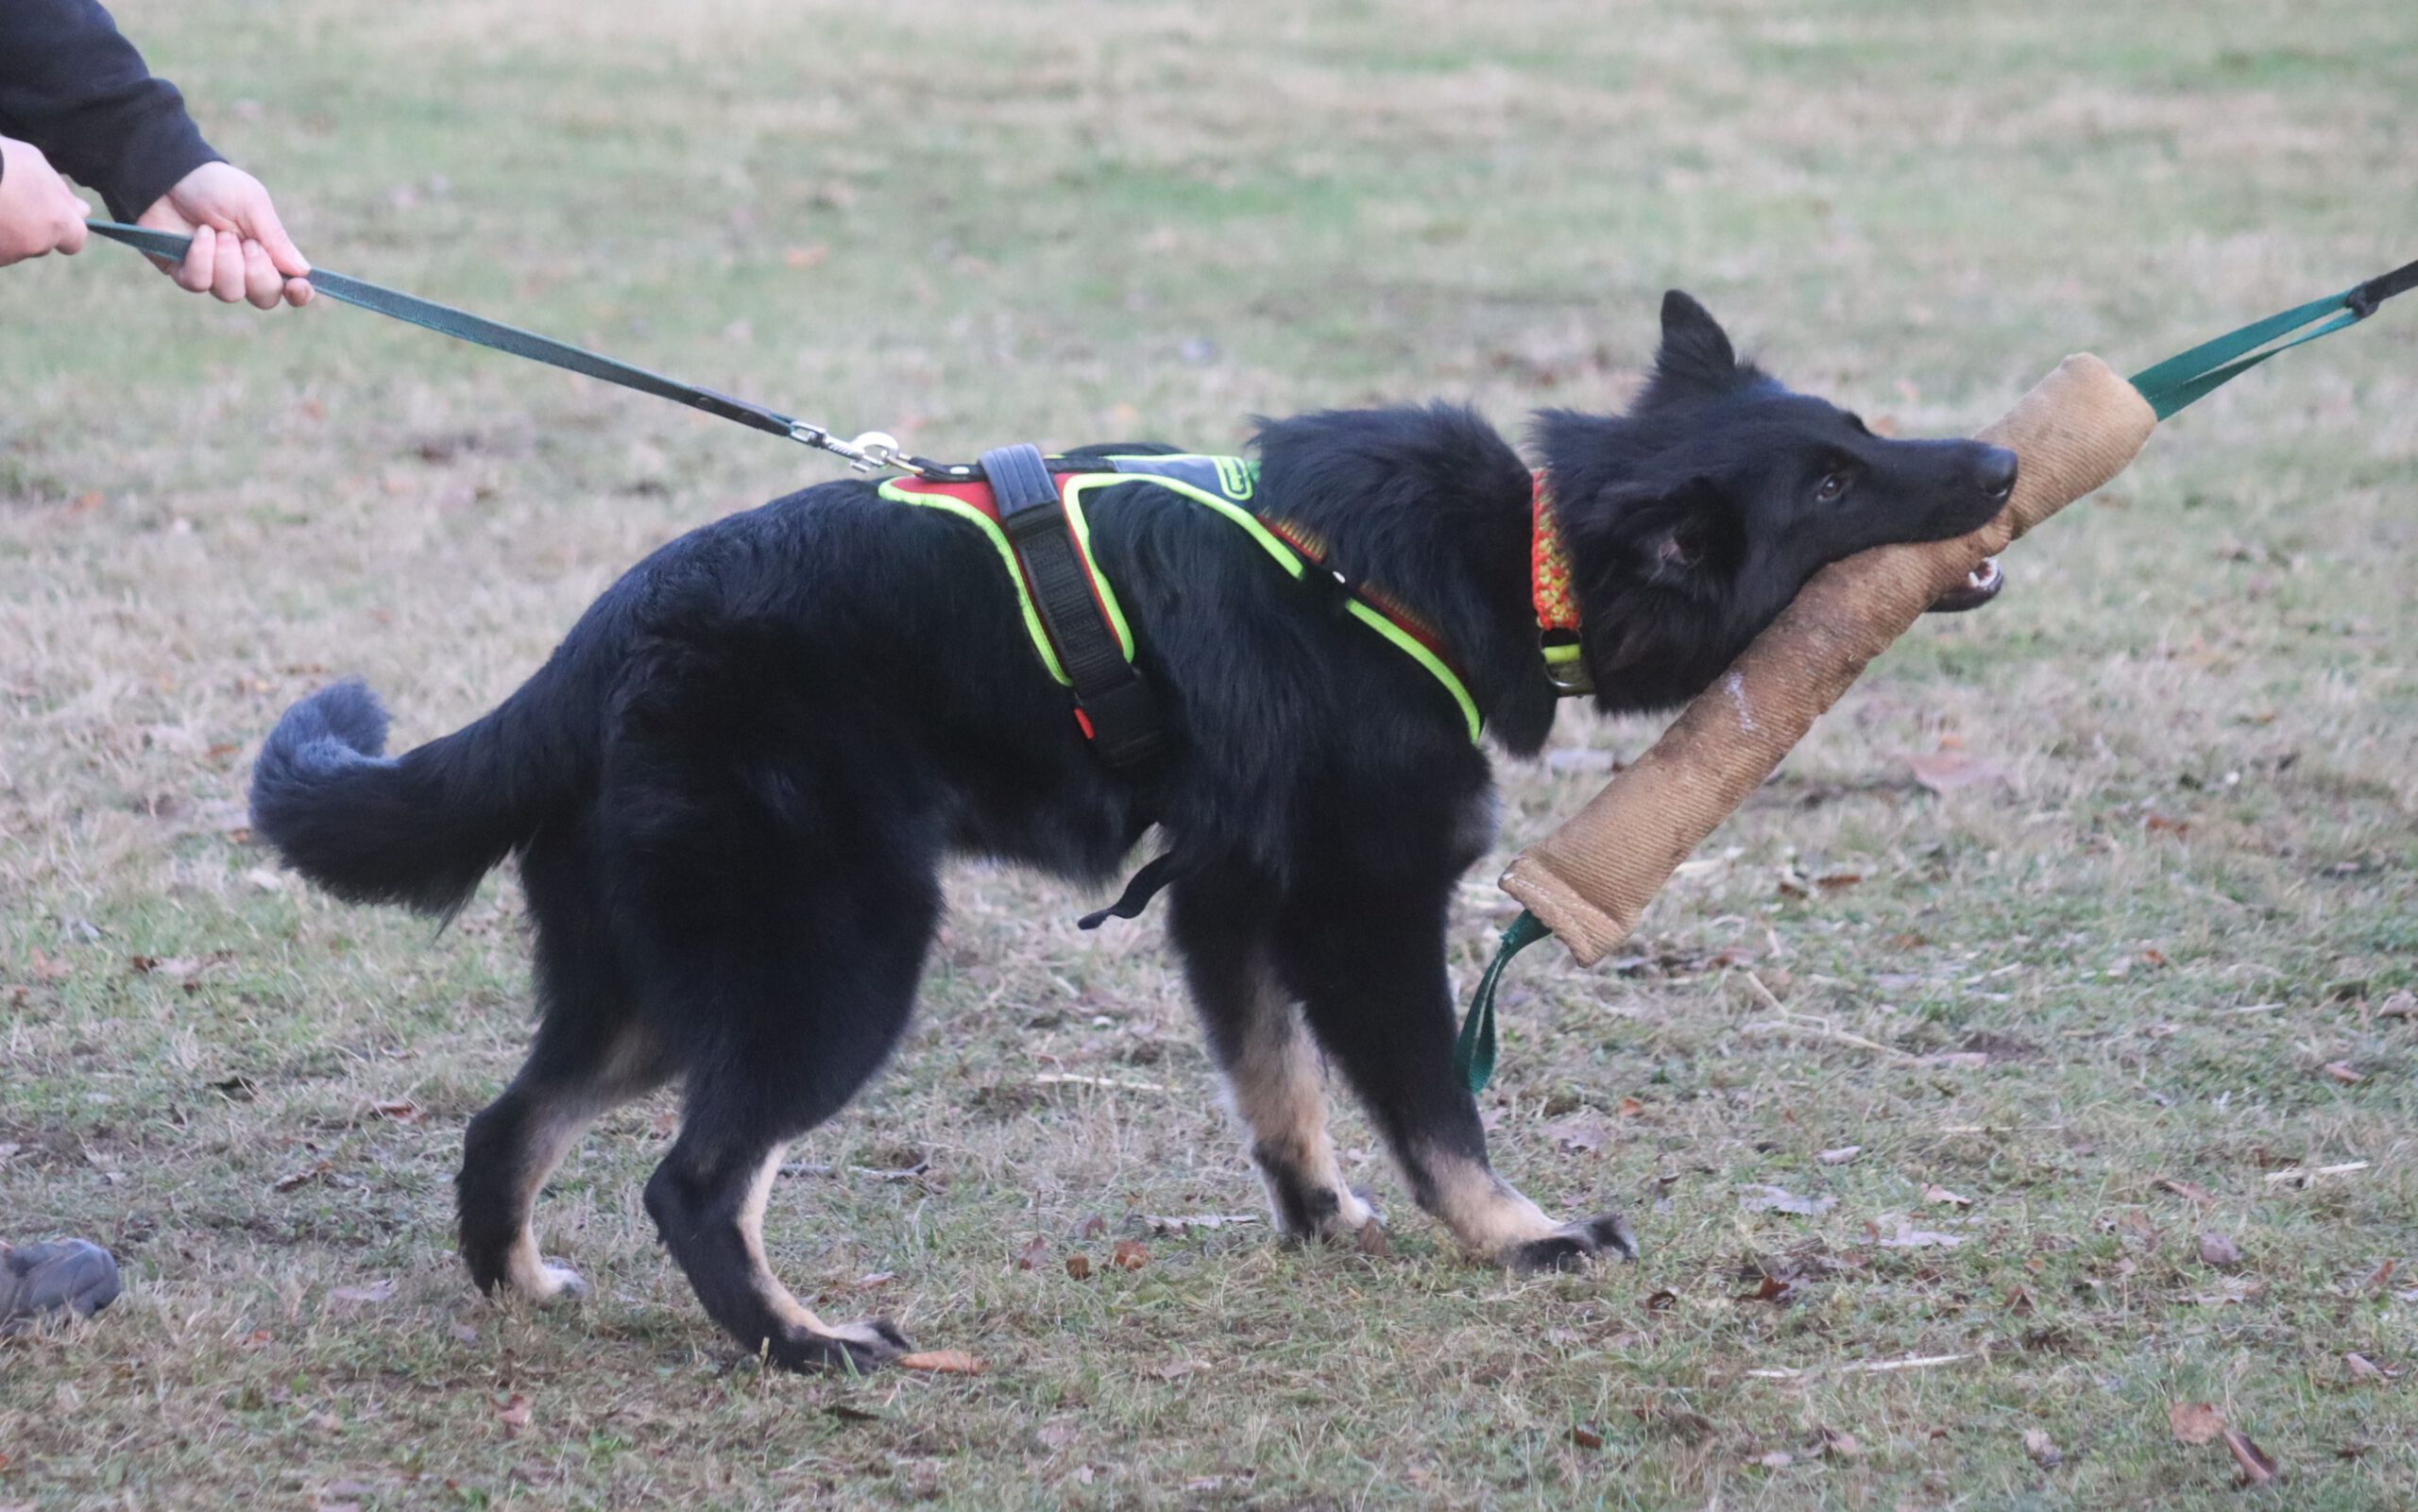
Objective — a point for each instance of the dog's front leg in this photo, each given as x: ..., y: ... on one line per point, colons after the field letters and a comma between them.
x: 1273, y: 1079
x: 1369, y: 963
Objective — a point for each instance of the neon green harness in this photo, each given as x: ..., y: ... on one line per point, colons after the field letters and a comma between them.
x: 1222, y: 485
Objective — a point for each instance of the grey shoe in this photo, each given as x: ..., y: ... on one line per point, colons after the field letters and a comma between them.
x: 62, y: 1276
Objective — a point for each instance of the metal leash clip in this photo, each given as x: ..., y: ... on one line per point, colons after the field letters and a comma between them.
x: 874, y: 449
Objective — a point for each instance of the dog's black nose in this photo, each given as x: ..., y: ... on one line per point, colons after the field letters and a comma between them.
x: 1995, y: 473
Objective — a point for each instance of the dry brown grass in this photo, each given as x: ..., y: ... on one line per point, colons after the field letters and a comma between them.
x: 2192, y: 892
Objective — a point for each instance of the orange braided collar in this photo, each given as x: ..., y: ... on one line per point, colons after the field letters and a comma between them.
x: 1551, y: 593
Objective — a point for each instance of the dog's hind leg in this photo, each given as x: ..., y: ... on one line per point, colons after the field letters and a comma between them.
x: 1369, y: 963
x: 799, y: 994
x: 514, y: 1145
x: 591, y: 1054
x: 1273, y: 1078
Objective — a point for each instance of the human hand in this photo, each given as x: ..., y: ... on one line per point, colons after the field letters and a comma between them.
x: 39, y: 214
x: 240, y: 249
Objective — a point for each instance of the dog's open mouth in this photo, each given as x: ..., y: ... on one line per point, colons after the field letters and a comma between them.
x: 1980, y: 586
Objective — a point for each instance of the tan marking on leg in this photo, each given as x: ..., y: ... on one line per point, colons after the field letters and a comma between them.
x: 634, y: 1067
x: 777, y: 1298
x: 783, y: 1305
x: 550, y: 1138
x: 1276, y: 1089
x: 1485, y: 1213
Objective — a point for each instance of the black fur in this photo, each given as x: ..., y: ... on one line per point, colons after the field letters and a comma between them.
x: 731, y: 788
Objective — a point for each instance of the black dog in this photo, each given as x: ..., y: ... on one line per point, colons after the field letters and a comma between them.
x: 732, y: 787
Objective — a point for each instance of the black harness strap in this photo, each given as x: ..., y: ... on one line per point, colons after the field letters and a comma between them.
x: 1113, y: 704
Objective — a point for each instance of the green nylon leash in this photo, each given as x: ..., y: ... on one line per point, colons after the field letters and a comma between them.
x: 872, y: 449
x: 2169, y: 386
x: 1473, y: 1052
x: 2192, y: 375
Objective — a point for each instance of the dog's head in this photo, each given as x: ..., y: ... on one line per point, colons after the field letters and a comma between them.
x: 1696, y: 517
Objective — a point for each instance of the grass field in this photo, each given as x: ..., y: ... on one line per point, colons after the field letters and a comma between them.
x: 2071, y: 1017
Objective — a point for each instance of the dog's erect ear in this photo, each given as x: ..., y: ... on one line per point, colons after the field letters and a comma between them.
x: 1695, y: 351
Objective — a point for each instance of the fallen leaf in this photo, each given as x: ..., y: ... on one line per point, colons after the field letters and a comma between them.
x: 1946, y: 772
x: 401, y: 1110
x: 377, y: 1291
x: 1586, y: 1437
x: 2189, y: 1190
x: 1841, y: 1155
x: 1129, y: 1255
x: 1579, y: 1137
x: 1772, y: 1289
x: 874, y: 1278
x: 806, y: 257
x: 1371, y: 1240
x: 1031, y: 1255
x: 2362, y: 1366
x: 264, y: 879
x: 2381, y: 1277
x: 1092, y: 1227
x: 1779, y: 1459
x: 513, y: 1413
x: 848, y: 1413
x: 49, y: 968
x: 2256, y: 1469
x: 1909, y: 1237
x: 942, y: 1361
x: 1939, y: 1194
x: 1080, y: 1266
x: 2402, y: 1004
x: 1780, y: 1200
x: 1662, y: 1302
x: 302, y: 1177
x: 2042, y: 1448
x: 1179, y: 1369
x: 1630, y: 1106
x: 2216, y: 1249
x: 2341, y: 1071
x: 2194, y: 1423
x: 1836, y: 1445
x: 2236, y: 1289
x: 2166, y: 824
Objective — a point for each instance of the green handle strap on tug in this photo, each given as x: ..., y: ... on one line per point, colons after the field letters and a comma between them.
x: 2168, y: 387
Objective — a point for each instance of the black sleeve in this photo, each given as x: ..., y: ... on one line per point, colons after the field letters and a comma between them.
x: 71, y: 86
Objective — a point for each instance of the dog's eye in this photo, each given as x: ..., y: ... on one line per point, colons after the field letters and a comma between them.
x: 1832, y: 488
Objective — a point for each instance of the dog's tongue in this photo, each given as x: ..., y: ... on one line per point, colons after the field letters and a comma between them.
x: 1980, y: 586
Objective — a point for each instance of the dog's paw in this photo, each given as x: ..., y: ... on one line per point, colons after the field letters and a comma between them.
x: 856, y: 1348
x: 1572, y: 1244
x: 550, y: 1283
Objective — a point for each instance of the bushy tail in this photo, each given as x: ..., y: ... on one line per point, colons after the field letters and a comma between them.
x: 421, y: 828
